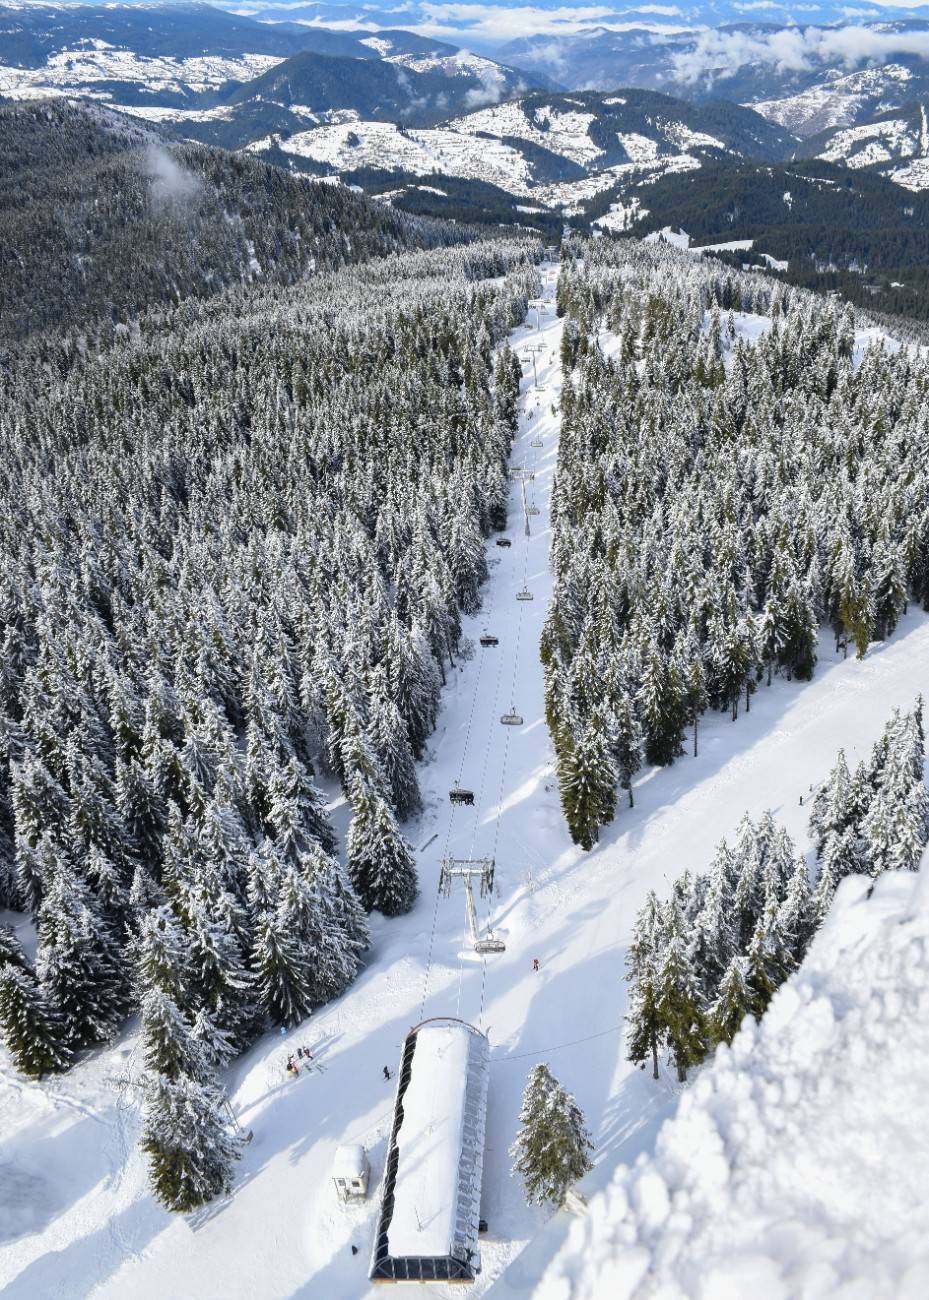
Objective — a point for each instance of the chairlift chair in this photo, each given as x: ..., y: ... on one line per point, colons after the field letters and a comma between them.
x: 536, y: 442
x: 459, y: 796
x: 504, y: 541
x: 532, y: 510
x: 525, y: 594
x: 490, y: 944
x: 487, y: 640
x: 511, y: 719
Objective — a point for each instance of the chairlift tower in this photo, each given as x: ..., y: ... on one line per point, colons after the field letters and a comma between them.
x: 524, y: 476
x: 534, y: 349
x: 468, y: 869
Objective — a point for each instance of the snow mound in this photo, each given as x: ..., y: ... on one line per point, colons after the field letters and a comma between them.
x: 798, y: 1162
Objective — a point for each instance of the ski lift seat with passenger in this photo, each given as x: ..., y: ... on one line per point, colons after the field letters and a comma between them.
x: 504, y: 542
x: 511, y: 719
x: 488, y: 640
x: 525, y: 594
x: 459, y: 796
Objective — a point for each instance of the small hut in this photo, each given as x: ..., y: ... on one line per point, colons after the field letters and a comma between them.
x: 429, y: 1219
x: 350, y: 1172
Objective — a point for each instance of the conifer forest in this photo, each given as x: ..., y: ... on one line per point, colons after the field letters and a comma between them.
x: 408, y: 624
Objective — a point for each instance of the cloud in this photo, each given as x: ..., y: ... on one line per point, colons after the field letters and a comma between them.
x: 793, y: 49
x: 170, y: 182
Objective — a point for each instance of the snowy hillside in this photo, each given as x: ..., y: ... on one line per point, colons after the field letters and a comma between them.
x: 797, y: 1163
x: 842, y: 101
x: 78, y: 1215
x: 559, y: 150
x: 897, y: 146
x: 99, y: 70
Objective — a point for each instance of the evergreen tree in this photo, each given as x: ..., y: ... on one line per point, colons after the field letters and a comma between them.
x: 380, y: 862
x: 551, y: 1151
x: 588, y: 783
x: 680, y: 1014
x: 34, y: 1034
x: 644, y: 1025
x: 190, y: 1150
x: 734, y: 1001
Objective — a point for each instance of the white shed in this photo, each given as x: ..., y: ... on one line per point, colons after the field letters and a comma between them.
x: 350, y: 1171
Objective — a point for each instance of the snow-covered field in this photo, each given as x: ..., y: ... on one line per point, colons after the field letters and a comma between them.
x: 76, y: 71
x: 75, y: 1215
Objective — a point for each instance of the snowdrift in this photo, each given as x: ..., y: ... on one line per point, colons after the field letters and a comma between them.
x: 798, y: 1162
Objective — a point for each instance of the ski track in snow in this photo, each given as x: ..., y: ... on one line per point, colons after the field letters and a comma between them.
x: 91, y: 1229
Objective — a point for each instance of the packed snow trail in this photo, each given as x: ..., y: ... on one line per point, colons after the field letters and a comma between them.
x: 74, y: 1225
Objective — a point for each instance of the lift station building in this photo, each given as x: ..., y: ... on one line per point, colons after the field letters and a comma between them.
x: 429, y: 1216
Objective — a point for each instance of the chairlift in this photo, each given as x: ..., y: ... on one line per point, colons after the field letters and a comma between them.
x: 536, y: 442
x: 511, y: 719
x: 525, y: 594
x: 532, y: 510
x: 490, y: 944
x: 488, y: 640
x: 459, y: 796
x: 504, y: 542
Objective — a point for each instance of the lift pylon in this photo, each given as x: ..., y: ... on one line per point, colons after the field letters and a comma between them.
x: 468, y: 869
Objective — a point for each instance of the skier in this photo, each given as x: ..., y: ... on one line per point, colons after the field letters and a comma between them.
x: 386, y: 1072
x: 354, y: 1250
x: 292, y: 1067
x: 535, y: 963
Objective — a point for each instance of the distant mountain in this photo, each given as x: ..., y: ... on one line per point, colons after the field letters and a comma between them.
x: 101, y: 218
x: 548, y: 152
x: 234, y: 79
x: 416, y: 89
x: 895, y: 144
x: 847, y: 100
x: 677, y: 52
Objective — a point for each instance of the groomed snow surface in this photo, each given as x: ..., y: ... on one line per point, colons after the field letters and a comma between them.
x: 76, y: 1217
x: 798, y: 1162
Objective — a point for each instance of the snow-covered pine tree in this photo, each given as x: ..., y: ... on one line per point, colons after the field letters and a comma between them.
x: 644, y: 1025
x: 282, y: 966
x: 33, y: 1032
x: 732, y: 1004
x: 80, y: 962
x: 380, y: 862
x: 681, y: 1015
x: 185, y: 1132
x: 388, y: 733
x: 588, y: 782
x: 552, y: 1148
x: 627, y: 743
x: 11, y: 950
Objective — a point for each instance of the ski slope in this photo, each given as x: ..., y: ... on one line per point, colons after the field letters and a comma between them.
x: 76, y: 1219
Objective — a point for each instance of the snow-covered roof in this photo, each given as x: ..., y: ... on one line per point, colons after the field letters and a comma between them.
x: 430, y: 1202
x: 349, y: 1162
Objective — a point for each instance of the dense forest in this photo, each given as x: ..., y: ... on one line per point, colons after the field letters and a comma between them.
x: 100, y: 218
x: 854, y: 232
x: 716, y: 502
x: 237, y: 543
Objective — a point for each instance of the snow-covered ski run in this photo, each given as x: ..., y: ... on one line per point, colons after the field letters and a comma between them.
x: 88, y: 1223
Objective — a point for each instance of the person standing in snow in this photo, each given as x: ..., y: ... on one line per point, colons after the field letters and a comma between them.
x: 386, y: 1072
x: 535, y: 963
